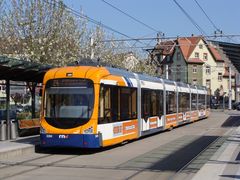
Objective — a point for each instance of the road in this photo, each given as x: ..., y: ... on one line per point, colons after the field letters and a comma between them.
x: 176, y: 154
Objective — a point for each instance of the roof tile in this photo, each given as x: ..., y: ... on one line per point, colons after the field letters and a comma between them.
x: 188, y: 44
x: 167, y: 47
x: 215, y: 53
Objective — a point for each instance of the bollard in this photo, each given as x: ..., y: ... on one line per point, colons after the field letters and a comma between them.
x: 14, y: 129
x: 3, y: 130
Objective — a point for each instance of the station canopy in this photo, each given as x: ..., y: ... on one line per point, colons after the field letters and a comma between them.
x: 22, y: 70
x: 232, y: 51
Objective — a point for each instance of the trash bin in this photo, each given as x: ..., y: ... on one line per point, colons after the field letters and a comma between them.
x: 14, y: 128
x: 3, y: 130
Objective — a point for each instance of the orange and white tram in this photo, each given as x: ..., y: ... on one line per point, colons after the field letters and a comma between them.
x: 93, y: 107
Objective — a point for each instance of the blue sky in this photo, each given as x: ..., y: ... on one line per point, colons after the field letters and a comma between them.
x: 163, y: 15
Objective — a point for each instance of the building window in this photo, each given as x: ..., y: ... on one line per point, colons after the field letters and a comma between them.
x: 178, y: 69
x: 194, y: 70
x: 200, y: 46
x: 205, y: 56
x: 208, y: 70
x: 196, y: 55
x: 178, y: 56
x: 208, y: 83
x: 219, y: 76
x: 194, y: 81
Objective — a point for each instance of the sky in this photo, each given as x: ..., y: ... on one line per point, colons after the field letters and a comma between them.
x: 164, y: 16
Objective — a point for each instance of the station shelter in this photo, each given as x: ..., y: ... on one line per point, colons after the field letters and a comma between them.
x: 13, y: 71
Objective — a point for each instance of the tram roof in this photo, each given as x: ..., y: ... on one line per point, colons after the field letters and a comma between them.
x: 22, y: 70
x: 122, y: 72
x: 112, y: 70
x: 128, y: 74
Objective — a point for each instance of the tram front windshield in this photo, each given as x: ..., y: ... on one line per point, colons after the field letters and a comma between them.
x: 68, y: 102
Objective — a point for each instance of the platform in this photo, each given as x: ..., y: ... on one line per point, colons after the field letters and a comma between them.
x: 18, y: 147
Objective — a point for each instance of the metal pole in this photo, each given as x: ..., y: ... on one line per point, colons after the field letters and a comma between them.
x: 166, y: 71
x: 7, y: 108
x: 33, y: 99
x: 158, y: 38
x: 230, y: 89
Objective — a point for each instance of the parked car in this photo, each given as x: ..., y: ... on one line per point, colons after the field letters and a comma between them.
x: 3, y: 114
x: 16, y: 108
x: 27, y: 108
x: 235, y: 105
x: 214, y: 104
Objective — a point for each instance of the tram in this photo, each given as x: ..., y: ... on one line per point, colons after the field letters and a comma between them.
x: 94, y: 107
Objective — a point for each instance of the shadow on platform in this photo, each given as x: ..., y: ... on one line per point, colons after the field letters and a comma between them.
x: 232, y: 121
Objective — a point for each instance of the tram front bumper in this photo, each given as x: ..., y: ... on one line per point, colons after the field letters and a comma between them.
x: 70, y: 140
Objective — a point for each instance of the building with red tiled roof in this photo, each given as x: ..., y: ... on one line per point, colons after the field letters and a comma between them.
x: 166, y: 47
x: 215, y: 53
x: 185, y: 66
x: 193, y: 60
x: 187, y: 45
x: 163, y: 51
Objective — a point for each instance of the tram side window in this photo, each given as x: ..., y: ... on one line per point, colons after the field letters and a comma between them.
x: 134, y: 103
x: 114, y: 103
x: 187, y: 101
x: 156, y: 103
x: 208, y: 101
x: 101, y: 105
x: 152, y: 103
x: 180, y: 102
x: 108, y: 104
x: 205, y: 101
x: 194, y: 102
x: 160, y: 102
x: 184, y: 100
x: 201, y: 101
x: 117, y: 104
x: 128, y: 103
x: 146, y: 103
x: 171, y: 102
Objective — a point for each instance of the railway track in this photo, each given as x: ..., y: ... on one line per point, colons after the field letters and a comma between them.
x: 178, y: 159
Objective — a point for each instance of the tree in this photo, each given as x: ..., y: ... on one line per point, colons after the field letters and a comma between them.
x: 45, y: 31
x: 41, y: 30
